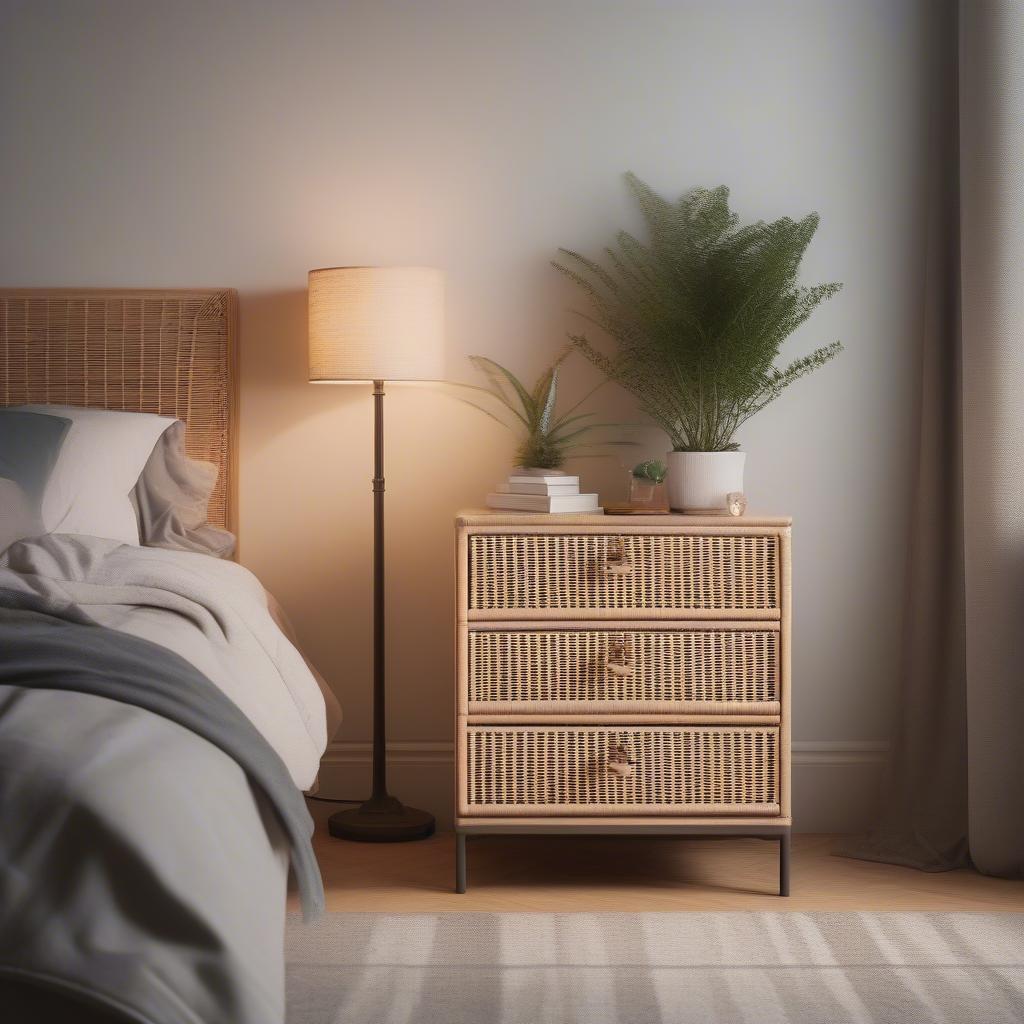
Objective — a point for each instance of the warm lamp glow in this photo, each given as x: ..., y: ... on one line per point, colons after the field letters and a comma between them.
x: 380, y: 324
x: 376, y: 323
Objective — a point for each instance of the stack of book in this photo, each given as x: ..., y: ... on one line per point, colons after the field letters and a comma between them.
x: 536, y: 491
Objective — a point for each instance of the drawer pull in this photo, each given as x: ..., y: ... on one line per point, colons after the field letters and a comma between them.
x: 620, y: 761
x: 615, y: 560
x: 622, y: 671
x: 616, y: 663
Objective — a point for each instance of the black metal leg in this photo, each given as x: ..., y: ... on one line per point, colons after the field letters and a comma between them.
x: 460, y: 861
x: 784, y: 863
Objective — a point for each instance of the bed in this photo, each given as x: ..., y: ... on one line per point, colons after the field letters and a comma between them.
x: 157, y: 726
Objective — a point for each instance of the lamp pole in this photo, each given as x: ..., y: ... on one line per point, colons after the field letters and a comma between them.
x: 380, y: 761
x: 383, y: 818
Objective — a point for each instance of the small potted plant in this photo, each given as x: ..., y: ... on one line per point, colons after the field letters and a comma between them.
x: 547, y: 437
x: 698, y: 315
x: 647, y: 486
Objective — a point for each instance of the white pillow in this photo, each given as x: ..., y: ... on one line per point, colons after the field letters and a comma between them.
x: 102, y: 457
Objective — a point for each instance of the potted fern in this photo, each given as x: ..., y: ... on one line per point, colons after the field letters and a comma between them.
x: 698, y: 315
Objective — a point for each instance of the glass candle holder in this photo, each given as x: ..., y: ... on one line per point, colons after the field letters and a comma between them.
x: 736, y: 502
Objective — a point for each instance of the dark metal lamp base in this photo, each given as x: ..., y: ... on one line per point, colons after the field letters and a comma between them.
x: 382, y: 821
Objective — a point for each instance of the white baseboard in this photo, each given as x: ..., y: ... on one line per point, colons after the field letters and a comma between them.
x: 835, y: 782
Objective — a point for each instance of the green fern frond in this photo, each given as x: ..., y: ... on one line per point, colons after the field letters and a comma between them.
x: 699, y: 312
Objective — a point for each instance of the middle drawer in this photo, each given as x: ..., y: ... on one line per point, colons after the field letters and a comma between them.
x: 727, y: 668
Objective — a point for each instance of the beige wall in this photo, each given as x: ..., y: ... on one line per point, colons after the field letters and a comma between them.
x: 196, y: 143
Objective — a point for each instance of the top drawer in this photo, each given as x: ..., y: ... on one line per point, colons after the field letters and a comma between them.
x: 595, y: 573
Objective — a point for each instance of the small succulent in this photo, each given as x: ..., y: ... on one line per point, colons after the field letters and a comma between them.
x: 653, y: 470
x: 549, y: 438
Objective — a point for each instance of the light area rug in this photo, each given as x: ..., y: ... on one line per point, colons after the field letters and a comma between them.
x: 472, y: 968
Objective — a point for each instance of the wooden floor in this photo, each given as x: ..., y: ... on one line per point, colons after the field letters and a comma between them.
x: 624, y: 874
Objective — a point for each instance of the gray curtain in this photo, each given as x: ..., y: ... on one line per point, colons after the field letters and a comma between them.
x: 955, y: 795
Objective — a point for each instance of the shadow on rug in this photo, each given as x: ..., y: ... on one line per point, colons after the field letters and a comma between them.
x: 462, y: 968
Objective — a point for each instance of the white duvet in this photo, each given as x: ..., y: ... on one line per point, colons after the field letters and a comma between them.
x: 212, y: 613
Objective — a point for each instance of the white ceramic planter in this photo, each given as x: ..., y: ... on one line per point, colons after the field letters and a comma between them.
x: 699, y: 481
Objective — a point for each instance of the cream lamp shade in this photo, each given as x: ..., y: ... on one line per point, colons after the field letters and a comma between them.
x: 376, y: 323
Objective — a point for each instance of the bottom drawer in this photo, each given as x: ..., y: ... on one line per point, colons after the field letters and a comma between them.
x: 580, y: 770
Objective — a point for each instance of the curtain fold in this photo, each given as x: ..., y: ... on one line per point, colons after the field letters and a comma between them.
x: 992, y: 289
x: 955, y: 789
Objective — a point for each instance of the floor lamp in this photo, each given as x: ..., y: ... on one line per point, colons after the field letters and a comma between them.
x: 377, y: 324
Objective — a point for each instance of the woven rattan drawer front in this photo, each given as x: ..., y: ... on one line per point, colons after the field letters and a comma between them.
x: 727, y: 671
x: 564, y: 771
x: 611, y: 573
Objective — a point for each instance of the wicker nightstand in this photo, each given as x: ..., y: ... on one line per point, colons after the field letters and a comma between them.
x: 623, y: 676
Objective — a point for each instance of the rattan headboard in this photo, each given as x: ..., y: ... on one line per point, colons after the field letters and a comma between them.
x: 168, y: 352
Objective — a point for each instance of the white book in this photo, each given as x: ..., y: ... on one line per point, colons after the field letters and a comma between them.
x: 538, y: 488
x: 542, y: 477
x: 543, y: 502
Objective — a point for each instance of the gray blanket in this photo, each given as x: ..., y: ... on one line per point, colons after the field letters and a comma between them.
x: 136, y: 803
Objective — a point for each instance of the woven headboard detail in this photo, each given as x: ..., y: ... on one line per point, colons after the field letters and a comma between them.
x: 166, y: 352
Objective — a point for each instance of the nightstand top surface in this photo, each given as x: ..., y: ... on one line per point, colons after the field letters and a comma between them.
x: 488, y: 517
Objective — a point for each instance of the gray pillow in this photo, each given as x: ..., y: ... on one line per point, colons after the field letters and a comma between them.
x: 29, y: 445
x: 171, y: 499
x: 19, y: 517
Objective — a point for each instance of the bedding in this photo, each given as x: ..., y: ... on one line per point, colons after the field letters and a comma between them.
x: 213, y: 613
x: 84, y: 489
x: 331, y: 705
x: 155, y: 727
x: 99, y: 463
x: 171, y: 499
